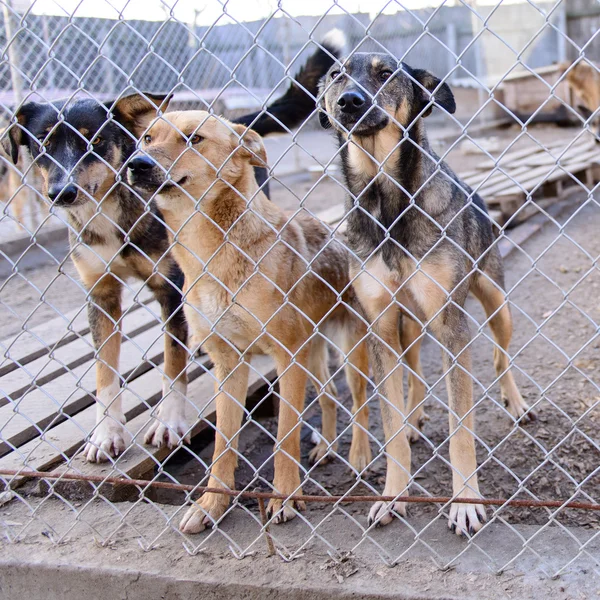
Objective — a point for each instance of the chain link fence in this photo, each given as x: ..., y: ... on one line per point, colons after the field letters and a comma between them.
x: 154, y: 367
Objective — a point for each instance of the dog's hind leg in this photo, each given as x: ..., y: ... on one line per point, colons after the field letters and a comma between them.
x: 291, y: 370
x: 356, y: 368
x: 492, y: 297
x: 231, y: 386
x: 326, y: 391
x: 411, y: 336
x: 170, y: 424
x: 104, y: 313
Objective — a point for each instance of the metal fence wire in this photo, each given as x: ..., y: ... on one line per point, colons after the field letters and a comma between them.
x: 379, y: 325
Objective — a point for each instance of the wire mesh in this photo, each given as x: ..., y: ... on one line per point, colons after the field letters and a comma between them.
x: 165, y: 349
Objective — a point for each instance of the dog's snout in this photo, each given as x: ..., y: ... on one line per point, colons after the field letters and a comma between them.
x: 351, y: 101
x: 141, y: 163
x: 63, y: 194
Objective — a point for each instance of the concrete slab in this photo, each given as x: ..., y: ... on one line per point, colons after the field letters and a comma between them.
x: 133, y: 550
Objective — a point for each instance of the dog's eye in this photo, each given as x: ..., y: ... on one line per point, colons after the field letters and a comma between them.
x: 147, y: 139
x: 384, y: 75
x: 44, y: 140
x: 196, y: 139
x: 97, y: 140
x: 335, y: 74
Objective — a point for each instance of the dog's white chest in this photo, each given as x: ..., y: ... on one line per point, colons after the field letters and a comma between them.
x: 100, y: 258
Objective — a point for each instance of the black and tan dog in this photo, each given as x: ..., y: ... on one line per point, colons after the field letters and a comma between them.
x: 81, y: 147
x: 424, y: 241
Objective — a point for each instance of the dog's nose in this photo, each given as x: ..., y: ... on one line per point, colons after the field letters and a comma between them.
x: 63, y: 194
x: 350, y: 102
x: 141, y: 163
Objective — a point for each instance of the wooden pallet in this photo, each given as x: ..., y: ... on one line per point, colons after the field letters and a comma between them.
x: 536, y: 176
x: 47, y: 381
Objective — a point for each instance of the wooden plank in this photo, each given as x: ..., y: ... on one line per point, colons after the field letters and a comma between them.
x: 486, y: 180
x: 67, y: 438
x: 138, y: 461
x: 540, y: 175
x: 30, y: 344
x: 68, y: 394
x: 71, y: 355
x: 515, y: 157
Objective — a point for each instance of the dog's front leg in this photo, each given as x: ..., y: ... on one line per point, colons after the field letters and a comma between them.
x: 292, y: 373
x: 231, y: 386
x: 170, y: 422
x: 452, y: 330
x: 104, y: 312
x: 385, y: 351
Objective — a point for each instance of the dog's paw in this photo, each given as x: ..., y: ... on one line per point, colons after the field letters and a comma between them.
x: 169, y: 427
x: 466, y: 519
x: 280, y: 512
x: 204, y: 513
x: 519, y: 410
x: 383, y: 513
x: 360, y: 454
x: 416, y: 420
x: 107, y: 441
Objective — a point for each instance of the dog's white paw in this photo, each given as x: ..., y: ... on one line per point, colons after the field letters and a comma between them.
x: 169, y: 427
x: 383, y: 513
x: 466, y: 519
x: 322, y: 453
x: 108, y: 440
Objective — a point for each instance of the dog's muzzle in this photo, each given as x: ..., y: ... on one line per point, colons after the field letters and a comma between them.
x: 63, y: 195
x: 142, y: 172
x: 352, y: 102
x: 141, y: 165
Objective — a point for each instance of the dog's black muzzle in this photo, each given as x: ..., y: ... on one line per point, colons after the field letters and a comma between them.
x: 63, y: 195
x: 143, y: 172
x: 357, y: 113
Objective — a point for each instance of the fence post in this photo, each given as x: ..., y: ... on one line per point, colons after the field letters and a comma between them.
x: 452, y: 44
x: 13, y: 52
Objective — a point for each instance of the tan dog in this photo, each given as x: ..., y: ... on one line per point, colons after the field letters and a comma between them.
x: 248, y: 289
x: 583, y: 78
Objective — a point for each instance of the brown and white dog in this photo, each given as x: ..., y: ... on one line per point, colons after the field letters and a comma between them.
x: 257, y: 281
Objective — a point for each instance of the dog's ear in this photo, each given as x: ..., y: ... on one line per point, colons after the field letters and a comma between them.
x: 13, y: 136
x: 251, y: 145
x: 136, y: 112
x: 428, y: 89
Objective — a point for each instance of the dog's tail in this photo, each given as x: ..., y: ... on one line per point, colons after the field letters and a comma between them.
x: 298, y: 103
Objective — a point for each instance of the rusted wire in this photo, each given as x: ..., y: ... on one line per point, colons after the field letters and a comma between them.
x: 166, y: 485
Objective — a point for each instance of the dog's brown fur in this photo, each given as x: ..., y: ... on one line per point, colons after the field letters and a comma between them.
x: 256, y: 281
x: 583, y: 78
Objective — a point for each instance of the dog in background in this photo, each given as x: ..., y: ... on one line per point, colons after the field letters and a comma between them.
x: 23, y: 198
x: 257, y: 281
x: 80, y: 148
x: 583, y: 78
x: 424, y: 240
